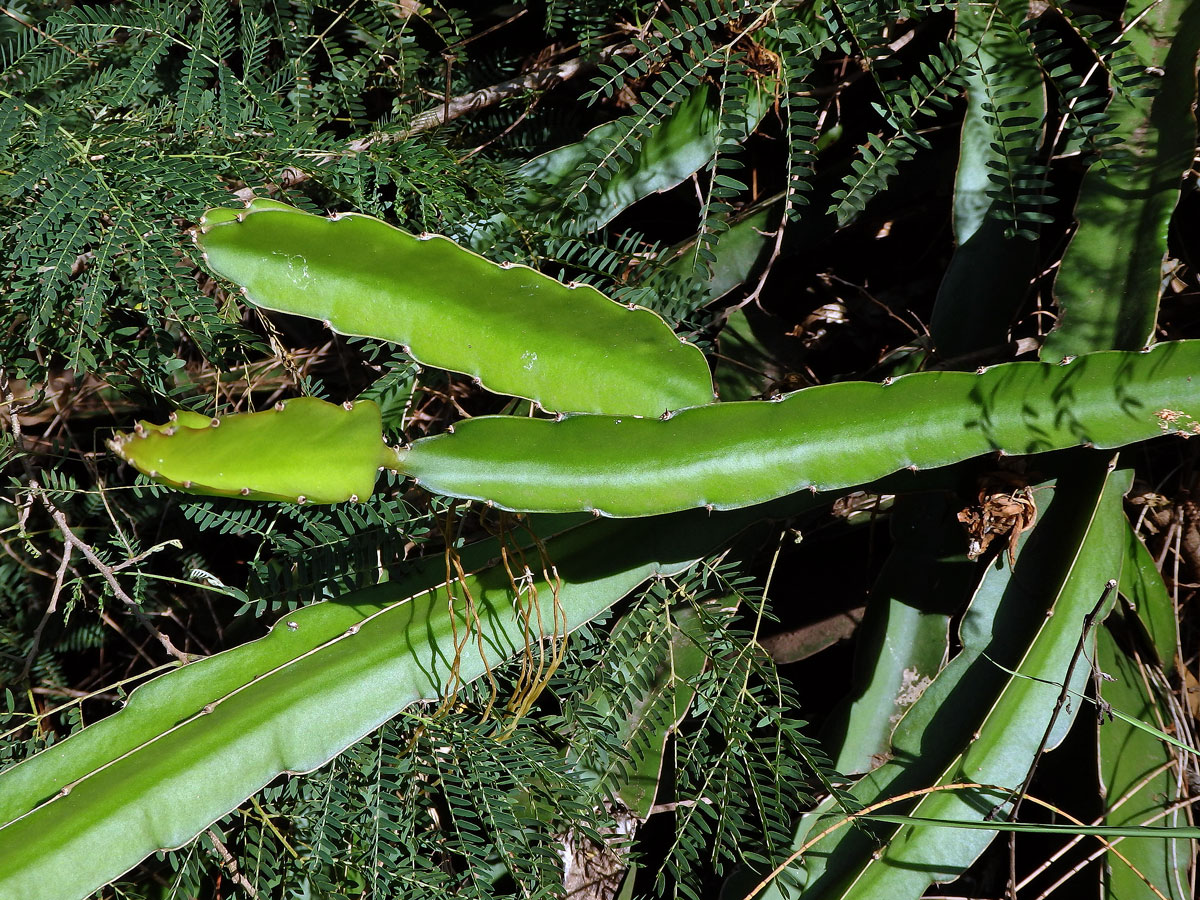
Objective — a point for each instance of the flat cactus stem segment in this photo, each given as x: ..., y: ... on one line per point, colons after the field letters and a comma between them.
x: 519, y: 332
x: 828, y: 437
x: 303, y: 451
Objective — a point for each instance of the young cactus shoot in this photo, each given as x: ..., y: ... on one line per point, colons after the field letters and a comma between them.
x: 303, y: 451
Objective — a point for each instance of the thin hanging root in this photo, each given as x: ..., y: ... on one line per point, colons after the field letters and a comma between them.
x: 523, y: 700
x: 476, y: 624
x: 524, y: 597
x: 533, y: 601
x: 456, y: 575
x: 520, y: 585
x: 527, y: 593
x: 451, y: 692
x: 557, y: 637
x: 550, y: 573
x: 534, y: 675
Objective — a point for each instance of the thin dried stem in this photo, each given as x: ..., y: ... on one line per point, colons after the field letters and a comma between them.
x: 69, y: 537
x: 51, y: 608
x: 231, y: 865
x: 473, y: 101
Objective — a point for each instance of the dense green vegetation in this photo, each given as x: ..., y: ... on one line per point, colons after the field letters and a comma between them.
x: 262, y: 258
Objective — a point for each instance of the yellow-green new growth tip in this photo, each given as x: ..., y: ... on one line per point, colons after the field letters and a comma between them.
x: 303, y: 451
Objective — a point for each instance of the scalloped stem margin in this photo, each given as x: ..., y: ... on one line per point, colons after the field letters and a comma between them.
x: 518, y: 332
x: 193, y: 744
x: 731, y: 455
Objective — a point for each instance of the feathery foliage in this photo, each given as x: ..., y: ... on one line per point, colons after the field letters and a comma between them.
x: 121, y: 123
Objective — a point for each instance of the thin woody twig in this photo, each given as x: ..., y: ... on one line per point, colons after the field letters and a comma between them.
x: 14, y: 418
x: 454, y: 107
x: 23, y: 563
x: 59, y: 577
x: 537, y: 80
x: 44, y: 34
x: 231, y: 865
x: 137, y: 648
x: 73, y: 693
x: 106, y: 571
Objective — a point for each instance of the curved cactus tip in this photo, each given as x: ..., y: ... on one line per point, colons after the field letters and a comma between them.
x: 219, y: 215
x: 302, y: 451
x: 216, y: 216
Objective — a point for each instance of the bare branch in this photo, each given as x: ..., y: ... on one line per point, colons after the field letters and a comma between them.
x: 72, y: 539
x: 231, y: 865
x: 50, y: 609
x: 537, y: 80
